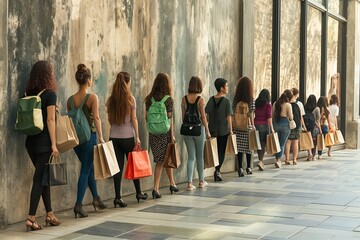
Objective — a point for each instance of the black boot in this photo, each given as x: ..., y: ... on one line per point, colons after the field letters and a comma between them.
x: 241, y: 172
x: 97, y: 203
x: 78, y: 210
x: 217, y: 176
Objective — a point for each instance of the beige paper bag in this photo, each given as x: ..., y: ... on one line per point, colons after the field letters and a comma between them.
x: 66, y: 137
x: 211, y: 158
x: 254, y: 140
x: 306, y: 141
x: 231, y: 145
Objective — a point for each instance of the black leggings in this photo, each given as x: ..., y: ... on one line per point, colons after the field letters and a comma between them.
x: 240, y: 161
x: 221, y: 144
x: 38, y: 189
x: 123, y: 146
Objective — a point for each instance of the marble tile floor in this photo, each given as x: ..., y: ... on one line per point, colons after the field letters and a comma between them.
x: 313, y: 200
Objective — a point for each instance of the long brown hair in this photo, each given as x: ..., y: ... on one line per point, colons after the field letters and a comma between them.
x: 160, y: 88
x: 323, y: 104
x: 120, y: 100
x: 277, y: 107
x: 244, y: 91
x: 41, y: 77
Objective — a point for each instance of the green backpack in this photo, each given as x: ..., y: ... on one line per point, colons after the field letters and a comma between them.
x: 29, y: 119
x: 157, y: 118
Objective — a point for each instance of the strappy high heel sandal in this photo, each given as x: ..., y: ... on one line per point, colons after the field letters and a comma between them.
x: 52, y: 221
x: 34, y: 226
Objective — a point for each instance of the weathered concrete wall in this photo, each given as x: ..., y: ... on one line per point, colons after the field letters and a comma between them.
x: 181, y: 38
x: 4, y: 108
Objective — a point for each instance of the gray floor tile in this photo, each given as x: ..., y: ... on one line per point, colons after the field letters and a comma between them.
x: 165, y: 209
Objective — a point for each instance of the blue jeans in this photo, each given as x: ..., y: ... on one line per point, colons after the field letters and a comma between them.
x: 283, y: 130
x: 325, y: 130
x: 85, y: 153
x: 195, y: 148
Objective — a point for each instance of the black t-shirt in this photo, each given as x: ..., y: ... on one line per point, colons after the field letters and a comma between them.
x: 41, y: 142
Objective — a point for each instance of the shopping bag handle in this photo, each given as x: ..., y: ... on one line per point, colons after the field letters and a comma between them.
x: 137, y: 147
x: 53, y: 159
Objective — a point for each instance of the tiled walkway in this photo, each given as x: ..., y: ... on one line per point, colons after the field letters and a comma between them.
x: 313, y: 200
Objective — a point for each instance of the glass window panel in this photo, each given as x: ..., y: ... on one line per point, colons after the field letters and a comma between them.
x: 332, y: 75
x: 336, y: 6
x: 313, y: 70
x: 262, y: 45
x: 290, y: 45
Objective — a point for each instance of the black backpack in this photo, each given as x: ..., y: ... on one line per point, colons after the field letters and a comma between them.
x: 191, y: 124
x: 309, y: 120
x: 296, y: 114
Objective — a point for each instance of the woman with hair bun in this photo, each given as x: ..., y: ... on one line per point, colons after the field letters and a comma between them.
x: 85, y: 151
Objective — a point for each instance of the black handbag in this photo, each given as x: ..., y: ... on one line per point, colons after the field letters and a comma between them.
x: 55, y: 172
x: 190, y: 129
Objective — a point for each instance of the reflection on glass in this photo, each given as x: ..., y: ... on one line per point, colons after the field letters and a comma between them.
x: 333, y: 59
x: 313, y: 71
x: 290, y: 45
x: 336, y: 6
x: 262, y: 46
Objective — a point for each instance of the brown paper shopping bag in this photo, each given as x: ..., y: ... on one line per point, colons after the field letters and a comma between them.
x: 272, y: 143
x: 254, y: 140
x: 105, y: 163
x: 66, y: 138
x: 231, y: 146
x: 320, y: 142
x: 211, y: 158
x: 306, y: 141
x: 338, y: 137
x: 329, y: 139
x: 172, y: 156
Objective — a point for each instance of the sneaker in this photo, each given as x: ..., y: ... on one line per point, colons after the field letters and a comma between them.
x: 278, y: 164
x: 202, y: 184
x: 190, y: 187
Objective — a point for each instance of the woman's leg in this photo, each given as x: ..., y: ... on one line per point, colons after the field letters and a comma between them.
x: 169, y: 172
x: 248, y: 160
x: 191, y: 148
x: 85, y: 154
x: 199, y: 146
x: 295, y: 149
x: 287, y: 151
x: 120, y: 159
x: 221, y: 142
x: 157, y: 175
x: 37, y: 189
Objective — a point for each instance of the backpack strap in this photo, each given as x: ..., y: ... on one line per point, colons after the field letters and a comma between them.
x: 163, y: 100
x: 41, y: 92
x: 217, y: 105
x: 72, y: 106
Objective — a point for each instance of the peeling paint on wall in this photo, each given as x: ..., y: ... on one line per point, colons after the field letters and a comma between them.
x: 181, y: 38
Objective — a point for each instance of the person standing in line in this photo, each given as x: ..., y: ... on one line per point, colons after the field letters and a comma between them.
x: 244, y: 93
x: 124, y: 131
x: 294, y: 136
x: 281, y: 116
x: 195, y: 144
x: 85, y: 151
x: 263, y: 122
x: 311, y: 107
x: 158, y: 142
x: 219, y: 111
x: 324, y: 119
x: 334, y: 113
x: 41, y: 146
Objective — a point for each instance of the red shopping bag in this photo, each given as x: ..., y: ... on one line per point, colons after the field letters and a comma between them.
x: 138, y: 165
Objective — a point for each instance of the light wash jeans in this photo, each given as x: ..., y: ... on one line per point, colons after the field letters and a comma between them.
x: 283, y: 130
x: 195, y: 148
